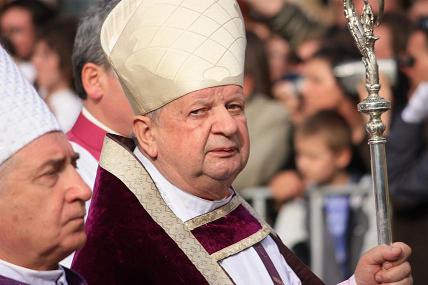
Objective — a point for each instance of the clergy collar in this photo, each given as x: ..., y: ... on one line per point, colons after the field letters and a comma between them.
x: 184, y: 205
x: 33, y: 277
x: 96, y: 122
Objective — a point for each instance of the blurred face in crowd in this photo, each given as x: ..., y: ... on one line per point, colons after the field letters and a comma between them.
x: 316, y: 161
x: 417, y: 48
x: 42, y: 204
x: 200, y: 141
x: 383, y: 46
x: 307, y: 49
x: 320, y: 90
x: 17, y: 26
x: 47, y: 63
x: 277, y: 50
x: 418, y: 9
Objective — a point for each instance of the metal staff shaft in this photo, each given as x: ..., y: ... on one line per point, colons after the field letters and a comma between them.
x: 362, y: 30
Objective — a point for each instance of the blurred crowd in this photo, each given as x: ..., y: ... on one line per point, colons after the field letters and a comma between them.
x: 303, y: 79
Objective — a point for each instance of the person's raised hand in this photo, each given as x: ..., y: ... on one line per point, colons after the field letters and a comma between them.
x: 384, y: 265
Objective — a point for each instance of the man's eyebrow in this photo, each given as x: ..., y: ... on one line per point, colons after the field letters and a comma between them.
x: 55, y: 163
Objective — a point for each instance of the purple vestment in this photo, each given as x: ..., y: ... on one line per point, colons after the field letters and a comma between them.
x: 127, y: 246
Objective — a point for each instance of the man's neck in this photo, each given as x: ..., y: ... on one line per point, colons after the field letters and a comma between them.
x: 93, y: 119
x: 184, y: 204
x: 28, y: 261
x: 202, y: 187
x: 32, y: 276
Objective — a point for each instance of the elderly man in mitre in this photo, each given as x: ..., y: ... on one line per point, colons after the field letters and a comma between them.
x: 163, y: 210
x: 42, y: 198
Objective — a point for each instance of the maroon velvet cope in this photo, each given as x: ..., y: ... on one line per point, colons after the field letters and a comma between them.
x: 126, y: 246
x: 87, y: 135
x: 227, y: 231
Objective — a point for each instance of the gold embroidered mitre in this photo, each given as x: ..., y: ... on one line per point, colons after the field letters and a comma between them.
x: 164, y: 49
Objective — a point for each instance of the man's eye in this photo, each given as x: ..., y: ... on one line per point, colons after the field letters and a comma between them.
x: 197, y: 112
x: 51, y: 173
x: 235, y: 107
x: 48, y: 178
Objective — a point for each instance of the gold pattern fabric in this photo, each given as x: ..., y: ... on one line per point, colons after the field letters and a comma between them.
x: 242, y: 244
x: 213, y: 215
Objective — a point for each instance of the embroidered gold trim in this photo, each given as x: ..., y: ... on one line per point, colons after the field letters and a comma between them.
x: 213, y: 215
x: 120, y: 162
x: 241, y: 245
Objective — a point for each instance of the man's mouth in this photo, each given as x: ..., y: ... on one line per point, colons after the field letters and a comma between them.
x: 79, y: 217
x: 224, y: 151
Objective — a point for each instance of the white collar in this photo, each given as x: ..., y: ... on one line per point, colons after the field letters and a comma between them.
x: 33, y: 277
x: 96, y: 122
x: 184, y: 205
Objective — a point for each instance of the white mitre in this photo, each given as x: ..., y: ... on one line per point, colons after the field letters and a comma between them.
x: 23, y: 114
x: 162, y: 50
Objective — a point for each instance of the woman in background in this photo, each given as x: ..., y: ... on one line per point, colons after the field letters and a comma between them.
x: 52, y: 59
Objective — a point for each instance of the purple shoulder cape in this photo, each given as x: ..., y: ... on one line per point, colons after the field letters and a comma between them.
x: 131, y: 242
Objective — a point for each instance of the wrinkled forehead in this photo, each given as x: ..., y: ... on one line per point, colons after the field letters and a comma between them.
x: 211, y: 94
x: 53, y: 145
x: 226, y: 90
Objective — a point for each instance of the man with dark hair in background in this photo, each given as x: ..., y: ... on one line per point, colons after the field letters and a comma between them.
x: 105, y: 108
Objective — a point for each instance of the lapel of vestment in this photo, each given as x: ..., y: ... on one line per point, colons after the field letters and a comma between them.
x: 228, y: 229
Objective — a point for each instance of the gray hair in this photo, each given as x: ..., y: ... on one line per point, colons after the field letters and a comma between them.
x: 154, y: 115
x: 87, y: 45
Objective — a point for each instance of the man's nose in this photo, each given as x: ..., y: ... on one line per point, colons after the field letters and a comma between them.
x: 80, y: 190
x: 224, y: 122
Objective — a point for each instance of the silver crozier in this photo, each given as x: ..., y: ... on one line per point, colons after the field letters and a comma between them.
x: 361, y: 27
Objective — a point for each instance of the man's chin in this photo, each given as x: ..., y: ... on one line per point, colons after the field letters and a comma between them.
x: 73, y: 242
x: 225, y: 175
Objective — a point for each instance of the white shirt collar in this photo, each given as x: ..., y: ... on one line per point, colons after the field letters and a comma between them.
x: 96, y: 122
x: 184, y: 205
x: 33, y: 277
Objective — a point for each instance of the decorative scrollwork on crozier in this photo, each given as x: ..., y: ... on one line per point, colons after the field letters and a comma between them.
x: 361, y: 28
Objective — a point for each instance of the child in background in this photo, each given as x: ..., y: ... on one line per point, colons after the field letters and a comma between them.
x: 323, y: 152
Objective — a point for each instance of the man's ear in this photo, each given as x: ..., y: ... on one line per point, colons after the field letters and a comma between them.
x: 248, y: 85
x: 343, y: 158
x: 92, y: 80
x: 143, y: 130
